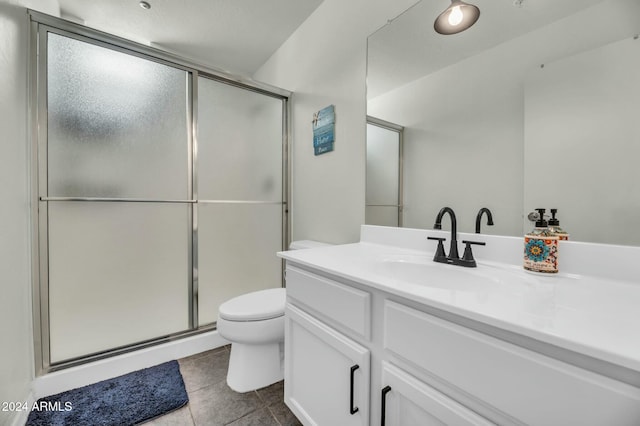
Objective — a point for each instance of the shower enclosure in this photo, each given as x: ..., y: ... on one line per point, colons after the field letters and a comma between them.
x: 160, y: 190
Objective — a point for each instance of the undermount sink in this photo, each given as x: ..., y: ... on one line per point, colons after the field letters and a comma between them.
x: 422, y: 270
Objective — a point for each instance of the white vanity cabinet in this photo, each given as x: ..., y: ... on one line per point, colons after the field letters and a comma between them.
x: 513, y: 384
x: 327, y: 375
x: 416, y: 368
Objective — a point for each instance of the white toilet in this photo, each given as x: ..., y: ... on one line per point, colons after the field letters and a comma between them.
x: 254, y: 324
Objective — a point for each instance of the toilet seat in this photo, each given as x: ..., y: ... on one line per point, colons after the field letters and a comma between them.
x: 255, y: 306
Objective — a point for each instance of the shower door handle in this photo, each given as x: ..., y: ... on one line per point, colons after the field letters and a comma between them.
x: 352, y: 409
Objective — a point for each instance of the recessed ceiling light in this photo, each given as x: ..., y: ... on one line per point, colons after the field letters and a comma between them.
x: 145, y: 5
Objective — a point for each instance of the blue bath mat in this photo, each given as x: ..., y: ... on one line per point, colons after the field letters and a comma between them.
x: 124, y: 400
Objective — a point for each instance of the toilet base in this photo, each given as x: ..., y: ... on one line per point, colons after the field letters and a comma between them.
x: 254, y: 366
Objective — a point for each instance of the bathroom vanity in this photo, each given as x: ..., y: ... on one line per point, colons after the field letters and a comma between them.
x: 378, y: 333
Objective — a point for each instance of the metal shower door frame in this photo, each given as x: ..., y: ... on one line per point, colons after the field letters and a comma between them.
x: 41, y: 24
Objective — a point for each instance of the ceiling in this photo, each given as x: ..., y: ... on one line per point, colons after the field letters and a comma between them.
x: 408, y: 48
x: 237, y: 36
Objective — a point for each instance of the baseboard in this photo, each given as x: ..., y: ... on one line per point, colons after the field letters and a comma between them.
x: 86, y: 374
x: 20, y: 417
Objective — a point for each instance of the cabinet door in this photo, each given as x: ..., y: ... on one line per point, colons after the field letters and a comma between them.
x: 409, y: 401
x: 326, y: 374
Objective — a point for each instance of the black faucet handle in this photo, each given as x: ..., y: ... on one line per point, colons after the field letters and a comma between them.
x: 440, y: 255
x: 467, y: 258
x: 476, y: 243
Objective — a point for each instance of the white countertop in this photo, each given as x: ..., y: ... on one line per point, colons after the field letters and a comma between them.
x: 590, y: 315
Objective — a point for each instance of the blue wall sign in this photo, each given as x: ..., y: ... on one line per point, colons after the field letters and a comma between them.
x: 324, y: 130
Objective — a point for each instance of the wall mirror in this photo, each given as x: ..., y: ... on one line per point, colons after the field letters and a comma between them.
x: 536, y: 105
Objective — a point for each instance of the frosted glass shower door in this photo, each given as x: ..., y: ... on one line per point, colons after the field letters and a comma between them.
x: 117, y: 199
x: 240, y: 209
x: 117, y: 275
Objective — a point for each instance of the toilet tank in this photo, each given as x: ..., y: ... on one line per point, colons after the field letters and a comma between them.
x: 306, y: 244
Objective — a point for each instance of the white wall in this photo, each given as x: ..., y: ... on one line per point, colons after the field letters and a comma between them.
x: 16, y: 349
x: 324, y: 63
x: 16, y: 359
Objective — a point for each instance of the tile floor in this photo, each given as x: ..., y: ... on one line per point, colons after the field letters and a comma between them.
x: 213, y: 403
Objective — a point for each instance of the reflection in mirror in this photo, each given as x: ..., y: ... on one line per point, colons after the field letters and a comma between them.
x: 534, y: 106
x: 384, y: 173
x: 592, y: 138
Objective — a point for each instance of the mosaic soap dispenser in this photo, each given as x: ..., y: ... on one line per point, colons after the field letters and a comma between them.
x: 541, y: 248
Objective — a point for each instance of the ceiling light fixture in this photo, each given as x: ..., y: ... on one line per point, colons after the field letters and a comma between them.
x: 145, y: 5
x: 456, y: 18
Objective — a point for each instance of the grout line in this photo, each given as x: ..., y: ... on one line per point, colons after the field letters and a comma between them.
x: 273, y: 415
x: 193, y: 420
x: 260, y: 398
x: 244, y: 415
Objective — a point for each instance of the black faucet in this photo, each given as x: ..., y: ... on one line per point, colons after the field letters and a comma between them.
x: 453, y: 251
x: 467, y: 259
x: 479, y: 216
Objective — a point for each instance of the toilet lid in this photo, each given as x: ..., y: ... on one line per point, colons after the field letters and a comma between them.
x: 255, y: 306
